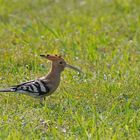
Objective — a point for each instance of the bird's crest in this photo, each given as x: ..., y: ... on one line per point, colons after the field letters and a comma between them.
x: 52, y: 57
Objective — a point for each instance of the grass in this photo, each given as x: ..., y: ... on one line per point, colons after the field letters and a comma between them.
x: 102, y: 38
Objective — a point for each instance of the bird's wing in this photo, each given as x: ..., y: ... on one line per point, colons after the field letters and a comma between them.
x: 23, y: 83
x: 36, y: 88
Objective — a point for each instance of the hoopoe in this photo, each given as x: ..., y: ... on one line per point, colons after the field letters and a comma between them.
x: 46, y: 85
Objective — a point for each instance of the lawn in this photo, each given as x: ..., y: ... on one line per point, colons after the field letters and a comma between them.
x: 102, y: 38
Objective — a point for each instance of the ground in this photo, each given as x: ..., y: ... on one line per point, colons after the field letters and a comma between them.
x: 102, y: 38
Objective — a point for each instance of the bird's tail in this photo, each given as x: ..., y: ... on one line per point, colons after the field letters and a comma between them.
x: 7, y: 90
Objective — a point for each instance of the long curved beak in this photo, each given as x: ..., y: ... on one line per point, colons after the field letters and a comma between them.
x: 74, y: 68
x: 42, y: 55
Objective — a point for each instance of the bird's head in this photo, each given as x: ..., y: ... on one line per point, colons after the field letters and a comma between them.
x: 58, y: 62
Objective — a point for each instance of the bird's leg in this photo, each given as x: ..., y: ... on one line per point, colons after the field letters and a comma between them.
x: 42, y: 99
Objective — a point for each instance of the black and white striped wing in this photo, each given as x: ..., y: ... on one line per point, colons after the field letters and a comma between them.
x: 35, y: 88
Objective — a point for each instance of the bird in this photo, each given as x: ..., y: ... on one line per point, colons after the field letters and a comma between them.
x: 46, y: 85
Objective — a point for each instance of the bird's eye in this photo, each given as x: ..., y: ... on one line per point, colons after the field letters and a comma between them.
x: 60, y: 62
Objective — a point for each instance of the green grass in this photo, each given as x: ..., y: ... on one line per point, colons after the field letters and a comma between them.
x: 102, y: 38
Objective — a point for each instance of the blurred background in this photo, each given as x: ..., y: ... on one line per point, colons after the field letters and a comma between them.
x: 102, y: 38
